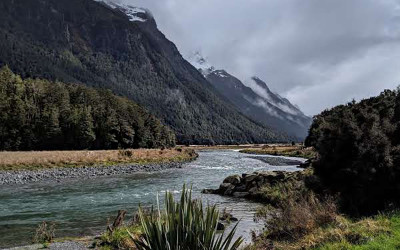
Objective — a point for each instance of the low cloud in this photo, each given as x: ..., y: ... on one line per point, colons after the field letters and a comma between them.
x: 316, y: 53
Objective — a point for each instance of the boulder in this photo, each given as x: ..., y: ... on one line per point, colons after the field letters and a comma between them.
x: 209, y: 191
x: 241, y: 188
x: 220, y: 226
x: 253, y: 190
x: 229, y: 190
x: 250, y: 178
x: 233, y: 219
x: 224, y: 186
x: 240, y: 194
x: 233, y: 179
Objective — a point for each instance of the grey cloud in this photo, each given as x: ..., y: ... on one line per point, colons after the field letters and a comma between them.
x: 317, y: 53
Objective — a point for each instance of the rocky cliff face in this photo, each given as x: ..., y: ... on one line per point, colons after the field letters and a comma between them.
x: 120, y: 48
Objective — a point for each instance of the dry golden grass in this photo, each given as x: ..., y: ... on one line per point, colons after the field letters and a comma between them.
x: 285, y: 150
x: 51, y: 159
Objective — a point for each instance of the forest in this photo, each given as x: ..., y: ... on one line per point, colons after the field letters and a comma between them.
x: 37, y: 114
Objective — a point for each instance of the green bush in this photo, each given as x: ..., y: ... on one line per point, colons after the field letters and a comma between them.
x: 359, y: 152
x: 183, y: 225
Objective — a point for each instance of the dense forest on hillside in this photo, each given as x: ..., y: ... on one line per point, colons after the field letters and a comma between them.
x: 83, y: 41
x: 359, y: 152
x: 38, y: 115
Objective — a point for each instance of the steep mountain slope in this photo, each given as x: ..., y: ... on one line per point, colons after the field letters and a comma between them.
x: 257, y: 102
x: 120, y: 48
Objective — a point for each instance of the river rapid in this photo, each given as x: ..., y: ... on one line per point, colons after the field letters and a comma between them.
x: 82, y: 206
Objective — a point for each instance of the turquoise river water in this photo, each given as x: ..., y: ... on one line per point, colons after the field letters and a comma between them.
x: 83, y: 206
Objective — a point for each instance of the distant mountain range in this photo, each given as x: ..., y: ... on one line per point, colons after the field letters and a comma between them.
x: 119, y: 47
x: 258, y: 101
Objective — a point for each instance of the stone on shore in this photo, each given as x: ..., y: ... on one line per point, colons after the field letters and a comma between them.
x: 250, y: 185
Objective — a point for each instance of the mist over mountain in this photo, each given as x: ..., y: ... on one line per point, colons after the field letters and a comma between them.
x: 119, y: 47
x: 254, y: 99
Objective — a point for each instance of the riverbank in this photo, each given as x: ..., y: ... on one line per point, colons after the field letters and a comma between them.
x: 282, y: 150
x: 29, y: 167
x: 295, y: 217
x: 36, y: 160
x: 59, y: 174
x: 82, y: 206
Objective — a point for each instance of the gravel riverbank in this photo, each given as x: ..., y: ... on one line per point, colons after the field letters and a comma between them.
x: 59, y: 174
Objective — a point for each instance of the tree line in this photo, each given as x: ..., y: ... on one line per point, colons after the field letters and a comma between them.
x: 37, y: 114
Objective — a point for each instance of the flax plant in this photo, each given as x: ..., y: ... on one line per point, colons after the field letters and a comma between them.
x: 184, y: 225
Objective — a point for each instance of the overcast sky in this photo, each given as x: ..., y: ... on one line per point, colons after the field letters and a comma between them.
x: 317, y: 53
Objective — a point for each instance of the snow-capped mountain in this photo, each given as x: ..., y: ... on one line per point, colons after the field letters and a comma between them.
x: 254, y: 98
x: 135, y: 14
x: 201, y: 63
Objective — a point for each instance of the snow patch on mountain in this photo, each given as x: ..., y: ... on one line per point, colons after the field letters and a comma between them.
x: 201, y: 63
x: 220, y: 73
x: 135, y: 14
x: 272, y: 103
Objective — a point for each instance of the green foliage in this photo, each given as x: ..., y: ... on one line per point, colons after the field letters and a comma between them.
x: 41, y: 115
x: 184, y: 225
x: 380, y: 232
x: 359, y: 152
x: 120, y: 237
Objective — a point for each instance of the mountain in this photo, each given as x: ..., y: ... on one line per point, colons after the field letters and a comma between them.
x: 120, y: 48
x: 257, y: 102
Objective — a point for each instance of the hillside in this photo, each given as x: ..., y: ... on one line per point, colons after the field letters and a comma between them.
x: 257, y: 102
x: 120, y: 48
x: 41, y: 115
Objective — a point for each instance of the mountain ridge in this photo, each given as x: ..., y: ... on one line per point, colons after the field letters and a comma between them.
x: 255, y: 99
x: 83, y: 41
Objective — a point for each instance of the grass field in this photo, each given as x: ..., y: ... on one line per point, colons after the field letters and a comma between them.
x: 32, y: 160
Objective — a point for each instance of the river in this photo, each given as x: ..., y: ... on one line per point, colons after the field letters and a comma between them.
x: 83, y: 206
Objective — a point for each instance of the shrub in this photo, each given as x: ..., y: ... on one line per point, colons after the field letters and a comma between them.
x: 183, y: 225
x: 296, y: 215
x: 359, y: 156
x: 299, y: 216
x: 44, y: 233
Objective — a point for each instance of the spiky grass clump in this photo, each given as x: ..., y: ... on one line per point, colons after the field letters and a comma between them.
x: 184, y: 225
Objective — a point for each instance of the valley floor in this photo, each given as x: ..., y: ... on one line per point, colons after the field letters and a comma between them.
x: 34, y: 160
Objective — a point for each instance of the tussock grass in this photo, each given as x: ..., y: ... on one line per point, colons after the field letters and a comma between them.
x: 33, y: 160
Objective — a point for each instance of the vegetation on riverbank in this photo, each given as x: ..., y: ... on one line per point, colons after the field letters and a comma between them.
x: 182, y: 224
x: 282, y: 150
x: 359, y: 153
x: 298, y: 217
x: 34, y: 160
x: 356, y: 174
